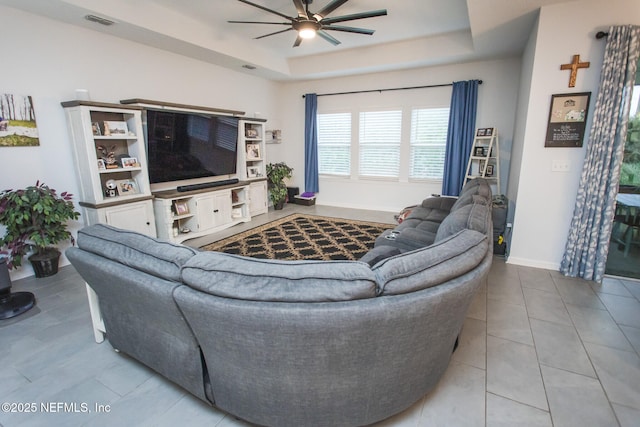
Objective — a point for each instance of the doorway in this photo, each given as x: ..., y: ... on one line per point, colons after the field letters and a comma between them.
x: 624, y: 245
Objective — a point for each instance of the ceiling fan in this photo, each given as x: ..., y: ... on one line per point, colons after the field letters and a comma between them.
x: 308, y: 23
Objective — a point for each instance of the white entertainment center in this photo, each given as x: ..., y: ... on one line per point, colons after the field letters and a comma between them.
x: 112, y: 168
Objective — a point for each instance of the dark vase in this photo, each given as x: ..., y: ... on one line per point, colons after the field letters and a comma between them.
x: 278, y: 206
x: 45, y: 263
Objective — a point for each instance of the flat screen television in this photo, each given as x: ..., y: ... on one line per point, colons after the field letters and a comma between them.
x: 190, y: 148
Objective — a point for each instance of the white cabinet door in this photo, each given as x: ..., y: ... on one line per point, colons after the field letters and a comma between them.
x: 213, y: 210
x: 132, y: 216
x: 258, y: 198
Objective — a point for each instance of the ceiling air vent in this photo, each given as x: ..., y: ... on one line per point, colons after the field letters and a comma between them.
x: 99, y: 20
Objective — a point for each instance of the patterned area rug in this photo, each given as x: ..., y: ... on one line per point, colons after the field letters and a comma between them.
x: 300, y: 236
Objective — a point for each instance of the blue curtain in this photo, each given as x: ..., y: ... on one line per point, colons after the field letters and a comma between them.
x: 462, y: 124
x: 311, y: 143
x: 588, y: 241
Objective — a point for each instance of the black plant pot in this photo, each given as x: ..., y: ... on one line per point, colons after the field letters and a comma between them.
x: 12, y: 304
x: 45, y: 263
x: 278, y: 206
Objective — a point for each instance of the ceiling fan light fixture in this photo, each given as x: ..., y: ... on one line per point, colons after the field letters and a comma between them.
x: 306, y: 28
x: 307, y: 33
x: 307, y: 24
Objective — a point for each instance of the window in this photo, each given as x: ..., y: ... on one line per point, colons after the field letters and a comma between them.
x: 428, y: 142
x: 380, y: 137
x: 381, y: 143
x: 334, y: 144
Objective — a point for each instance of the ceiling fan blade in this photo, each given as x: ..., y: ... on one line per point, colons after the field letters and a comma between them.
x: 259, y: 22
x: 273, y: 34
x: 329, y: 8
x: 334, y: 41
x: 298, y: 41
x: 302, y: 13
x: 348, y: 29
x: 266, y: 9
x: 363, y: 15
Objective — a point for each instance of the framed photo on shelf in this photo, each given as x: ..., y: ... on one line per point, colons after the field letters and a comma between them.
x: 251, y: 133
x: 477, y: 168
x: 95, y: 129
x: 253, y: 172
x: 484, y: 132
x: 130, y: 162
x: 567, y: 119
x: 113, y: 128
x: 253, y: 151
x: 127, y: 187
x: 479, y: 152
x: 181, y: 207
x: 101, y: 165
x: 489, y: 171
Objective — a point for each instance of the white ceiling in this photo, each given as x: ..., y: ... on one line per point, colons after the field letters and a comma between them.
x: 414, y: 33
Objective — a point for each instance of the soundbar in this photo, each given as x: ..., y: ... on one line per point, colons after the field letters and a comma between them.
x: 183, y: 188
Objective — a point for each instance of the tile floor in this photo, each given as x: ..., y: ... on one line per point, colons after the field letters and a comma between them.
x: 537, y: 349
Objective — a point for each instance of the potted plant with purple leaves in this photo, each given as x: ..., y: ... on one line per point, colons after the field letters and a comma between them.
x: 36, y: 220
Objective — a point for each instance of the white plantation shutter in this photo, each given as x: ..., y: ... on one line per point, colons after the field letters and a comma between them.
x: 380, y: 135
x: 428, y: 142
x: 334, y: 143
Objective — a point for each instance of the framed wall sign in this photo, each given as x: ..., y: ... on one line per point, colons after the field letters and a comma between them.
x: 567, y: 119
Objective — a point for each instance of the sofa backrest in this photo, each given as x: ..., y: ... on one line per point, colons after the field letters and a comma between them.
x: 156, y: 257
x: 134, y: 277
x: 474, y: 216
x: 252, y: 279
x: 474, y: 187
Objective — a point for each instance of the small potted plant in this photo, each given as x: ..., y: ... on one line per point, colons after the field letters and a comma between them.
x: 35, y: 219
x: 276, y: 174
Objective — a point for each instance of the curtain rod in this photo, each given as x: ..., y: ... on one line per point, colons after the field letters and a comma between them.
x: 601, y: 35
x: 386, y: 90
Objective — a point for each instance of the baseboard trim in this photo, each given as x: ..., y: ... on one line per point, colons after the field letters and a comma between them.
x: 525, y: 262
x: 356, y: 206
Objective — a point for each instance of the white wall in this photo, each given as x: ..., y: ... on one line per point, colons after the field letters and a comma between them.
x: 545, y: 199
x: 497, y: 98
x: 49, y: 60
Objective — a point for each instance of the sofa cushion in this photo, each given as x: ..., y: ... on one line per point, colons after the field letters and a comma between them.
x: 233, y: 276
x: 379, y: 253
x: 475, y: 216
x: 153, y: 256
x: 439, y: 202
x: 428, y: 214
x: 406, y: 239
x: 433, y: 265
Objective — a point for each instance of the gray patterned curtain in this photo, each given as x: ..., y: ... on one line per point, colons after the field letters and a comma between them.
x: 588, y: 242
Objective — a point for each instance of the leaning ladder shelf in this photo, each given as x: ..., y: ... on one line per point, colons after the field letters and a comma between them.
x: 484, y: 159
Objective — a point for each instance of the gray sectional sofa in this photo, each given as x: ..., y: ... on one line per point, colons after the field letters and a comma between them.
x: 297, y: 343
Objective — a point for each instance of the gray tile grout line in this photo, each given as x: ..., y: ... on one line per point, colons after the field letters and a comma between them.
x: 535, y: 348
x: 587, y: 353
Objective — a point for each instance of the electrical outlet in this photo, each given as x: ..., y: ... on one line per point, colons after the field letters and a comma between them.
x: 560, y: 166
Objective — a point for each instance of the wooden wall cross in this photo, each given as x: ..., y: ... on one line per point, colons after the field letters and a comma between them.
x: 574, y: 66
